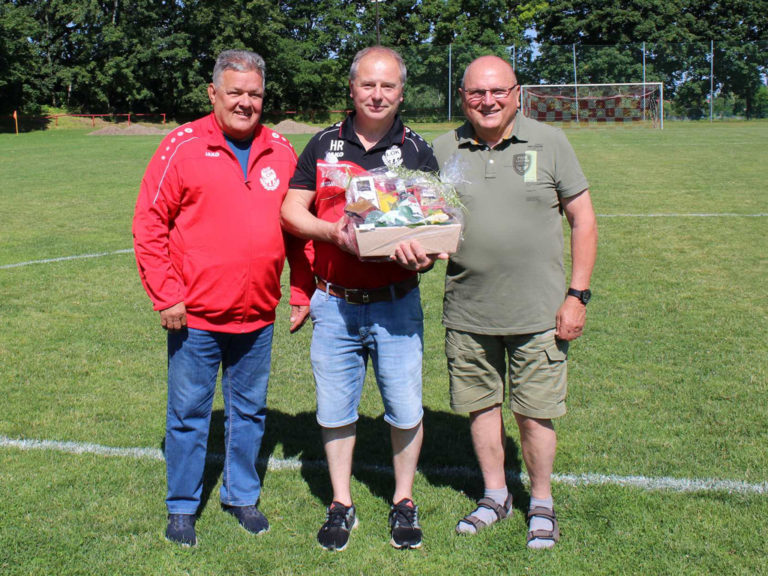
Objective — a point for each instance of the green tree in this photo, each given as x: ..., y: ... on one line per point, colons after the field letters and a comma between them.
x: 312, y: 58
x: 761, y: 103
x: 608, y: 35
x: 104, y: 56
x: 739, y: 29
x: 471, y: 28
x: 18, y: 91
x: 302, y: 42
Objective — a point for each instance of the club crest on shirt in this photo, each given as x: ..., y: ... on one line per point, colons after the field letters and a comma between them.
x: 521, y: 163
x: 393, y: 157
x: 269, y: 179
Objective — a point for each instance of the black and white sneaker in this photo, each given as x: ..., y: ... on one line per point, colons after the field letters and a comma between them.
x: 339, y: 522
x: 404, y: 525
x: 181, y: 529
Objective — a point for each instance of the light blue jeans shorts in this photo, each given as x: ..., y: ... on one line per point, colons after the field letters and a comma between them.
x: 346, y: 335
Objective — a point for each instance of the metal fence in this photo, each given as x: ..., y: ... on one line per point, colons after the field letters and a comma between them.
x: 704, y: 80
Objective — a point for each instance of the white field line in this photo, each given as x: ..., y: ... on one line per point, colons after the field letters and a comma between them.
x: 683, y: 215
x: 660, y: 215
x: 65, y: 258
x: 276, y: 464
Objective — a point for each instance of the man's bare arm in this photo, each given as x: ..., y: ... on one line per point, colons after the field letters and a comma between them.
x: 297, y: 219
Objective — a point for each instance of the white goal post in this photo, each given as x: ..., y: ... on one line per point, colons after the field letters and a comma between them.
x: 640, y: 103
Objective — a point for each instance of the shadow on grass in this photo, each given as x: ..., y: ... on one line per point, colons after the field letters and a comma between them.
x: 447, y: 457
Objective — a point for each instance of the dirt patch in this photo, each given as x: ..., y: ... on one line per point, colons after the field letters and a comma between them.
x: 291, y: 127
x: 284, y: 127
x: 132, y: 130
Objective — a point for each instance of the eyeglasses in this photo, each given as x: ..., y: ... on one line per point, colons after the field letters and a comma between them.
x: 475, y: 96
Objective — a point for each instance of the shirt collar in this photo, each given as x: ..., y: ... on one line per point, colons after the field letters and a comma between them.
x: 216, y: 135
x: 465, y: 134
x: 395, y: 135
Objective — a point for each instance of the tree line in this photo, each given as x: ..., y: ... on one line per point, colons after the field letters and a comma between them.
x: 158, y: 55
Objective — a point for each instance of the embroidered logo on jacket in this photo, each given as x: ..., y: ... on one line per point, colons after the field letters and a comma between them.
x: 393, y: 157
x: 269, y: 179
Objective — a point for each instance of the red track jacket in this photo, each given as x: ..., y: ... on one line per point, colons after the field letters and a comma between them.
x: 206, y: 237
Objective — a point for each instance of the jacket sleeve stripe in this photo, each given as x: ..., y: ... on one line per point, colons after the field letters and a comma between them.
x: 167, y: 165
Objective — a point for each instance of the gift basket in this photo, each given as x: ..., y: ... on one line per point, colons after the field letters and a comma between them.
x: 387, y: 206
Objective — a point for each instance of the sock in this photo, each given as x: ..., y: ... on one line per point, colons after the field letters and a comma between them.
x: 488, y: 516
x: 540, y: 523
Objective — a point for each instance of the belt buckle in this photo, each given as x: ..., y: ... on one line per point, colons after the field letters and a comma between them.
x: 360, y: 296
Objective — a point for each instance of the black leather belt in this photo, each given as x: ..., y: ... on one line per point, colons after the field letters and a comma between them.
x: 360, y: 296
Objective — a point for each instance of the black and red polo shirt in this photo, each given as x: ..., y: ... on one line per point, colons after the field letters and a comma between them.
x: 340, y: 145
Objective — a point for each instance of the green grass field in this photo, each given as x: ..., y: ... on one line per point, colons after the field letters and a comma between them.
x: 662, y: 465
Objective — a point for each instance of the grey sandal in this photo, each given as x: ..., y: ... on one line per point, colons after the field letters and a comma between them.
x: 549, y: 514
x: 501, y: 512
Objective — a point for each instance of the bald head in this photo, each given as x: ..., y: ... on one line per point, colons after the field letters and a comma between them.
x: 489, y: 98
x: 478, y: 65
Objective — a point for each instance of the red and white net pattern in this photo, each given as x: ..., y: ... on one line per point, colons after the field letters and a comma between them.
x: 622, y: 104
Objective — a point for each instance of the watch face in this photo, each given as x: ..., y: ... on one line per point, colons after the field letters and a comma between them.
x: 583, y: 295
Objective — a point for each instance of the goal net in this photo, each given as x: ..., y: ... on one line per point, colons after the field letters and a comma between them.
x: 588, y: 104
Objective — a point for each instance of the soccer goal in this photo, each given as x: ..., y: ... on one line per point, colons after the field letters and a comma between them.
x: 590, y: 104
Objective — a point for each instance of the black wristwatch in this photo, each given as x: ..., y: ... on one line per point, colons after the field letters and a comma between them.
x: 582, y: 295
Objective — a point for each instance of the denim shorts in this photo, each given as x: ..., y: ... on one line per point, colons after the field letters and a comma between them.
x: 345, y: 335
x: 537, y: 365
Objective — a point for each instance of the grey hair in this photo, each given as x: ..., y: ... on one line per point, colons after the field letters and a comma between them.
x: 383, y: 49
x: 241, y: 61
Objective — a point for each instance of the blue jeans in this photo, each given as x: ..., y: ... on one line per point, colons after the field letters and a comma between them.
x: 345, y: 335
x: 194, y: 357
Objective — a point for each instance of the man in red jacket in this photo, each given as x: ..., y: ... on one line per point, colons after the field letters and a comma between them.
x: 210, y: 252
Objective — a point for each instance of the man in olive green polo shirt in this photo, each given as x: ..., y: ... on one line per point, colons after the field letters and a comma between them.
x: 506, y: 306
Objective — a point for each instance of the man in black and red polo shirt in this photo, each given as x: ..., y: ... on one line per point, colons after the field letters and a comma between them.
x: 363, y: 309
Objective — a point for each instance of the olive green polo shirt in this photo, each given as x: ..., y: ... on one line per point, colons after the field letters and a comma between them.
x: 508, y: 275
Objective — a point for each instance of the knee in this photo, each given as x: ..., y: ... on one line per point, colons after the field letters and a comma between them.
x: 529, y: 423
x: 189, y: 405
